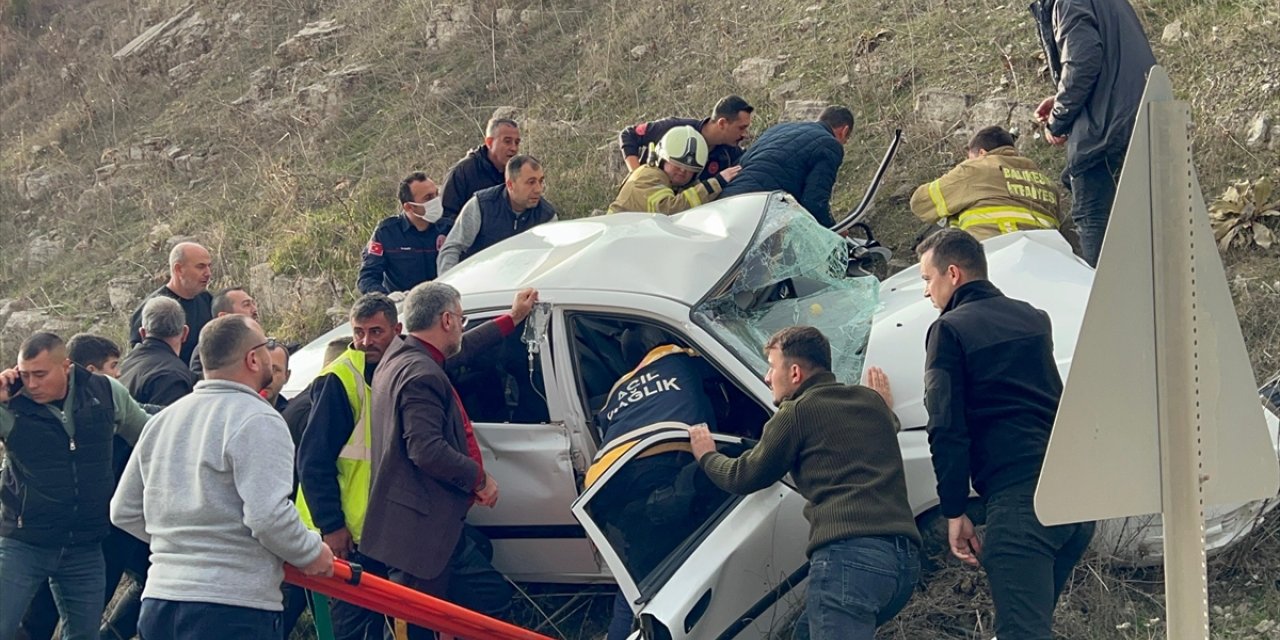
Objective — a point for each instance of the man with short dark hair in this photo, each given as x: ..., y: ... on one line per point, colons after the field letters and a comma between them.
x: 95, y: 353
x: 190, y: 269
x: 801, y: 158
x: 497, y: 213
x: 482, y: 167
x: 1099, y: 57
x: 152, y: 372
x: 403, y: 249
x: 234, y: 300
x: 280, y: 374
x: 57, y: 421
x: 333, y: 456
x: 724, y: 132
x: 229, y: 301
x: 426, y: 461
x: 996, y: 191
x: 992, y: 390
x: 217, y: 554
x: 864, y: 548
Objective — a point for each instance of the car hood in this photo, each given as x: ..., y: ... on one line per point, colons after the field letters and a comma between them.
x: 681, y: 257
x: 1035, y: 266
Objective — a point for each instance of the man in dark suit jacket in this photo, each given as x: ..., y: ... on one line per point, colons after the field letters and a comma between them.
x: 427, y: 467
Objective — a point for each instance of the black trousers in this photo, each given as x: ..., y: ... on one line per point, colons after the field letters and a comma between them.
x: 355, y: 623
x: 170, y: 620
x: 1027, y: 563
x: 469, y: 581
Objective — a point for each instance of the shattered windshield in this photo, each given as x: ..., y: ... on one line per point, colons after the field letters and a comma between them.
x: 793, y: 274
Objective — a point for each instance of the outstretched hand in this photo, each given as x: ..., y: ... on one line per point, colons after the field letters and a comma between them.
x: 877, y: 381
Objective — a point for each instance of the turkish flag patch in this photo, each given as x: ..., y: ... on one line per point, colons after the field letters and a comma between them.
x: 713, y: 167
x: 375, y: 248
x: 641, y: 128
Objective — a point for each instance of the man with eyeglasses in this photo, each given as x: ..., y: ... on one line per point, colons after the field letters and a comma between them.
x: 426, y: 462
x: 208, y: 487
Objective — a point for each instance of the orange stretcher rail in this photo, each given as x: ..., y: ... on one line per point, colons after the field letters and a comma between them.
x: 350, y: 584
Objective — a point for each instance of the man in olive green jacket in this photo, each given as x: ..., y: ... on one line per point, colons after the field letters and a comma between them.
x: 864, y: 548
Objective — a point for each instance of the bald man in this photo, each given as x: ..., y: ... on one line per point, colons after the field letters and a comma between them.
x: 190, y: 269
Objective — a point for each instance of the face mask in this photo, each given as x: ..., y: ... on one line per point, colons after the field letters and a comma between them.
x: 432, y: 210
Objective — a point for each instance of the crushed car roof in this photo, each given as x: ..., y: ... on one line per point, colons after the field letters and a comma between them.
x: 680, y: 257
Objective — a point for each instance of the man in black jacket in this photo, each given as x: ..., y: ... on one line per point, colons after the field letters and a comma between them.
x: 152, y: 372
x: 724, y: 131
x: 482, y: 167
x: 403, y: 249
x: 801, y: 158
x: 1099, y: 58
x: 497, y: 213
x: 154, y: 375
x: 992, y: 390
x: 57, y: 422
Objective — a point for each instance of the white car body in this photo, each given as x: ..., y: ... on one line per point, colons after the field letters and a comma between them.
x: 733, y: 576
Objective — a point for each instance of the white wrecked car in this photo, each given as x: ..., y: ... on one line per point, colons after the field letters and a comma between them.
x: 720, y: 279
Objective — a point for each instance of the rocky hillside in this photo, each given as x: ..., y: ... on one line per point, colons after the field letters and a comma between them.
x: 275, y: 132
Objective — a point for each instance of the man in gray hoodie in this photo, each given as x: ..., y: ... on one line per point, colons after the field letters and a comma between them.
x: 208, y: 487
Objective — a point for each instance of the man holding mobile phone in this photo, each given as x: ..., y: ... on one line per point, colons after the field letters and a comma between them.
x: 57, y: 422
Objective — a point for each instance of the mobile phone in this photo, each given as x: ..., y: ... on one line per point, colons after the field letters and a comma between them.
x: 15, y: 388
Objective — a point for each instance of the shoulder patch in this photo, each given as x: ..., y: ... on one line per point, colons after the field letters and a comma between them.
x: 641, y: 128
x: 375, y: 248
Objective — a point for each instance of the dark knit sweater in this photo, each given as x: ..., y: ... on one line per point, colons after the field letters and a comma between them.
x: 840, y: 446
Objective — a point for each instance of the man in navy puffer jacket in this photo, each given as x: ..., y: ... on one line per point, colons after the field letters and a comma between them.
x: 801, y: 158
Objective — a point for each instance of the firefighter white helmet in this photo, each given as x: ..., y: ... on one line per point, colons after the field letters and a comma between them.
x: 684, y: 147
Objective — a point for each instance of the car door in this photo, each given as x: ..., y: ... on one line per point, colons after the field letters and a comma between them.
x: 693, y: 560
x: 518, y: 418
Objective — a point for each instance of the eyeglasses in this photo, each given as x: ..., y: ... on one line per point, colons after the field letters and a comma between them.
x: 461, y: 318
x: 270, y: 344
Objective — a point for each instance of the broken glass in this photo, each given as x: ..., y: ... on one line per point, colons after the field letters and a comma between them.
x: 793, y: 274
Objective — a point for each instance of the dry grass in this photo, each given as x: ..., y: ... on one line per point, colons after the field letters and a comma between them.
x: 304, y: 194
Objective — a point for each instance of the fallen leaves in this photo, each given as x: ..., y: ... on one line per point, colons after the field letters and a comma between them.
x: 1239, y: 215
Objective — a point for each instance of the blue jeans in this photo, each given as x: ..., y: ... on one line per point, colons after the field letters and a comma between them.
x: 856, y: 585
x: 1093, y: 192
x: 170, y: 620
x: 75, y: 574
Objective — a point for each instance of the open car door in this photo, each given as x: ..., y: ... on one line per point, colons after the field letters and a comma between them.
x: 693, y: 560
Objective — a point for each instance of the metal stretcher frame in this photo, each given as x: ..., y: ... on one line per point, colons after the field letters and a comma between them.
x: 350, y: 584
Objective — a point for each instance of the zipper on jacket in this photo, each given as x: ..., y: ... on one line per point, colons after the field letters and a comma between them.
x: 73, y: 444
x: 23, y: 508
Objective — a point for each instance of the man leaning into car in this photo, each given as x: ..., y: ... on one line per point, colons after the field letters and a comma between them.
x: 864, y: 548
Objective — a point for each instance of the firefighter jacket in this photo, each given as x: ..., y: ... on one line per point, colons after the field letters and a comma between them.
x: 649, y: 189
x: 638, y: 140
x: 998, y: 193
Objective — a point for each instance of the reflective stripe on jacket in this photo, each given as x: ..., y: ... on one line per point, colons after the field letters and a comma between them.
x: 648, y: 189
x: 1000, y: 192
x: 353, y: 462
